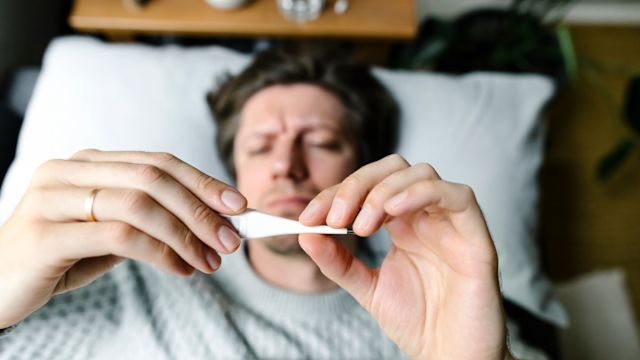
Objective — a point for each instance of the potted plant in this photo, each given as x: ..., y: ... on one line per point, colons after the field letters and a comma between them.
x: 525, y: 38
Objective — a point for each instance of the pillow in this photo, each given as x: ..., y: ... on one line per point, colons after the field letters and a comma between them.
x: 484, y: 130
x: 480, y: 129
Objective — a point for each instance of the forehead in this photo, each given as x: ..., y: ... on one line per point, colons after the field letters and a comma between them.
x: 281, y: 108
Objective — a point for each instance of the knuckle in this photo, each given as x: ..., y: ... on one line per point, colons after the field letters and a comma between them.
x: 397, y: 160
x: 46, y: 172
x: 327, y: 194
x: 165, y: 257
x: 83, y: 154
x: 48, y: 167
x: 205, y: 183
x: 162, y: 158
x: 121, y: 233
x: 202, y: 213
x: 424, y: 186
x: 165, y: 253
x: 136, y: 201
x: 352, y: 181
x: 425, y: 169
x: 149, y: 173
x: 380, y: 192
x: 349, y: 186
x: 468, y: 192
x: 189, y: 240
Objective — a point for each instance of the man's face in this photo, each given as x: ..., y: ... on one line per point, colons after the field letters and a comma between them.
x: 291, y: 144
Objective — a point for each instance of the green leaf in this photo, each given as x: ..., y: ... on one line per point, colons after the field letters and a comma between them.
x: 568, y: 52
x: 614, y: 159
x: 632, y: 104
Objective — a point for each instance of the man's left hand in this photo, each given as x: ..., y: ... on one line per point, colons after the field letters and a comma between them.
x: 436, y: 294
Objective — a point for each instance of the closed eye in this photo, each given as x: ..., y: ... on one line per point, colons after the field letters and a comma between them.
x: 259, y: 151
x: 333, y: 145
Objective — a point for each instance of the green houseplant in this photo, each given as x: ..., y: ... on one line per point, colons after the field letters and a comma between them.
x: 525, y: 37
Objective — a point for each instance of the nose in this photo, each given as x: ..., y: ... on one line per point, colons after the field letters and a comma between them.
x: 289, y: 161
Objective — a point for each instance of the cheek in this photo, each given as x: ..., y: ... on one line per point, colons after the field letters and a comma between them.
x: 328, y: 171
x: 252, y: 180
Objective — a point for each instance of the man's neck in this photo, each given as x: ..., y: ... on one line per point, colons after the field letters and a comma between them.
x: 292, y: 272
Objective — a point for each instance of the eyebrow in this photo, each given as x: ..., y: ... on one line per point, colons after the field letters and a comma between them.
x: 262, y: 133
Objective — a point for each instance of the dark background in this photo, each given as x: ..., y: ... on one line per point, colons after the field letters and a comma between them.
x: 26, y: 27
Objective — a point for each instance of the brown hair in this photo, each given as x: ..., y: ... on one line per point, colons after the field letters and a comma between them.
x: 371, y: 113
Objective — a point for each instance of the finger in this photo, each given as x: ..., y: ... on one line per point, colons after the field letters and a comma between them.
x: 315, y: 213
x: 372, y: 214
x: 198, y: 216
x: 355, y: 187
x: 436, y: 196
x: 340, y: 266
x: 81, y: 240
x: 215, y: 193
x: 133, y: 207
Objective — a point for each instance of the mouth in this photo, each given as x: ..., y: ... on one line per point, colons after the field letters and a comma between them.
x: 290, y: 203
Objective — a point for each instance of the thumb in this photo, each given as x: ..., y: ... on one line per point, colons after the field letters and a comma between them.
x: 338, y: 264
x: 85, y: 271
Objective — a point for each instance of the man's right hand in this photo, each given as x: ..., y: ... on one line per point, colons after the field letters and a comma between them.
x: 150, y: 207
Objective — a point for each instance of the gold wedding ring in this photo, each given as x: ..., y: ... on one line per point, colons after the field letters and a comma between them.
x: 88, y: 205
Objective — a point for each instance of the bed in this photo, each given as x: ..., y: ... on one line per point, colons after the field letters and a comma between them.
x: 482, y: 129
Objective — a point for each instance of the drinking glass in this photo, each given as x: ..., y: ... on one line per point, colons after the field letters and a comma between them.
x: 301, y: 10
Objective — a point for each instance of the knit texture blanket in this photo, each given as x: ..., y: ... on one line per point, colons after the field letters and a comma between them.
x: 138, y: 312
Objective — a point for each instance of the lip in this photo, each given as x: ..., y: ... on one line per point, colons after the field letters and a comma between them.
x: 289, y: 201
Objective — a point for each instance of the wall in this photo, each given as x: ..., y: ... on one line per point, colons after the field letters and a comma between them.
x: 26, y: 28
x: 584, y: 11
x: 588, y: 224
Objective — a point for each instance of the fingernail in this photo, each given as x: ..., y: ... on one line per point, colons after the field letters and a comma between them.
x: 229, y: 238
x: 364, y: 218
x: 213, y: 259
x: 395, y: 201
x: 336, y: 212
x: 233, y: 200
x: 309, y: 211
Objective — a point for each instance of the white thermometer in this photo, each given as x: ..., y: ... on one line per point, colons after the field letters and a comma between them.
x: 253, y: 224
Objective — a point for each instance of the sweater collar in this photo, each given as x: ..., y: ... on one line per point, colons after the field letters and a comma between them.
x: 242, y: 285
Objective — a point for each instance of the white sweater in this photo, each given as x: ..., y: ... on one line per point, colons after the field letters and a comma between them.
x: 138, y: 312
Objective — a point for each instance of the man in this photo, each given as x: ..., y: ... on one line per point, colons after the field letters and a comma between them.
x: 298, y: 132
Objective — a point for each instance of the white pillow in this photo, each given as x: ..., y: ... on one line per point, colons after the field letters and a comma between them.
x: 480, y: 129
x: 484, y: 130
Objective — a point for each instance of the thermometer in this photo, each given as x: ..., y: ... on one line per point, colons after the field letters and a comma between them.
x: 253, y: 224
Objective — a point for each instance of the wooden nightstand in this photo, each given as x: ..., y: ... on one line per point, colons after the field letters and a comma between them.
x: 365, y: 19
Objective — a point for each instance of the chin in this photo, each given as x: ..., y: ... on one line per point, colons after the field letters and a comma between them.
x: 286, y: 245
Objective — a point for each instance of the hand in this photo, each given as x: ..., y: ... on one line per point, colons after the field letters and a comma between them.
x: 150, y: 207
x: 436, y: 294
